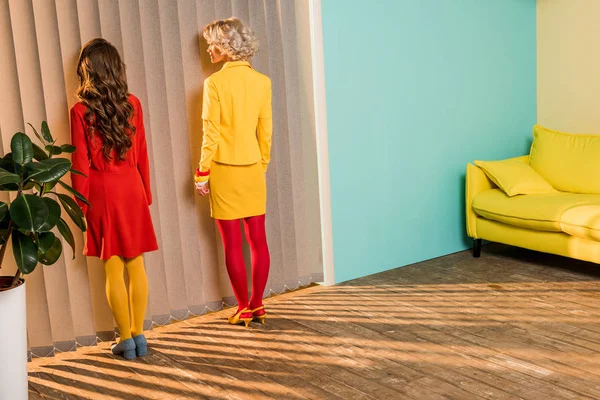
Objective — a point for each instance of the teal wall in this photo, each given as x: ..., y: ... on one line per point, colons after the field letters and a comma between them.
x: 416, y: 90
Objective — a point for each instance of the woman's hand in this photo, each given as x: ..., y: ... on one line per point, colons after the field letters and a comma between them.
x: 202, y: 188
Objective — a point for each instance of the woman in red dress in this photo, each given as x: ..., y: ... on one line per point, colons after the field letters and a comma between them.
x: 107, y: 127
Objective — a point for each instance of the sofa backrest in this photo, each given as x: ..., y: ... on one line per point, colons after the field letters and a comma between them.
x: 569, y: 162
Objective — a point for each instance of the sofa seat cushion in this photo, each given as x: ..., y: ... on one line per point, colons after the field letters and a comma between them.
x: 540, y: 212
x: 582, y: 221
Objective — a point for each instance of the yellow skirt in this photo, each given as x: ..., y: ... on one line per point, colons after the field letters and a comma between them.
x: 237, y: 191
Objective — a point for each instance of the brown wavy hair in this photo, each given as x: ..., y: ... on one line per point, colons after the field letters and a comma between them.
x: 103, y: 89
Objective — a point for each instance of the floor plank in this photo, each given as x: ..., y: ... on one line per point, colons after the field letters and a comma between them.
x: 513, y: 324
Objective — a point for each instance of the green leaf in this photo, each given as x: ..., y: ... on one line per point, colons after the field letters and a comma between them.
x: 8, y: 177
x: 54, y: 213
x: 74, y: 171
x: 38, y: 153
x: 33, y: 168
x: 49, y: 186
x: 7, y: 163
x: 46, y: 132
x: 37, y: 133
x: 4, y: 222
x: 28, y: 186
x: 45, y: 241
x: 66, y: 232
x: 25, y: 252
x: 75, y: 193
x: 18, y: 169
x: 3, y: 210
x: 22, y: 148
x: 9, y: 180
x: 51, y: 255
x: 29, y: 212
x: 48, y: 170
x: 72, y: 209
x: 9, y: 187
x: 67, y: 148
x: 53, y: 150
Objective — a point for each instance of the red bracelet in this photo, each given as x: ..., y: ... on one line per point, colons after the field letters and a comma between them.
x: 200, y: 173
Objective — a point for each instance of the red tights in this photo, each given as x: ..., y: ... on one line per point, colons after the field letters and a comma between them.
x: 234, y: 258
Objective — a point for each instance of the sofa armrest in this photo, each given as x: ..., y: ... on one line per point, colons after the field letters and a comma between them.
x: 476, y: 182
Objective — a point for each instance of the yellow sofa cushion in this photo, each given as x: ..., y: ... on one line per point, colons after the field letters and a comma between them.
x: 515, y: 177
x: 540, y: 212
x: 582, y: 221
x: 569, y: 162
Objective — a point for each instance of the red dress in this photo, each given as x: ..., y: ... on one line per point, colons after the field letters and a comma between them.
x: 119, y: 222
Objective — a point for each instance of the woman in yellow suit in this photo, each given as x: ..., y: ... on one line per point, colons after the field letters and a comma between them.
x: 237, y: 121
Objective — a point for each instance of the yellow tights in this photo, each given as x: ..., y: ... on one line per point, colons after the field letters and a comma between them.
x: 116, y: 293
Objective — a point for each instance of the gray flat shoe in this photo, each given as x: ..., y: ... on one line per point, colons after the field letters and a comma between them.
x: 126, y: 348
x: 141, y: 345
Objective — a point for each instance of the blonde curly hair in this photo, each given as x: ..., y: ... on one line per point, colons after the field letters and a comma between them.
x: 233, y: 37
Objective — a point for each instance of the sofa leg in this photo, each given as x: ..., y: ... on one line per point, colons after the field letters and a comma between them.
x: 476, y: 248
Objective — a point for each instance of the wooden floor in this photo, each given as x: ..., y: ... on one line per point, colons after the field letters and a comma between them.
x: 512, y: 324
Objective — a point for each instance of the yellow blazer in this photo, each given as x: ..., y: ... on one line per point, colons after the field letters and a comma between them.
x: 237, y: 117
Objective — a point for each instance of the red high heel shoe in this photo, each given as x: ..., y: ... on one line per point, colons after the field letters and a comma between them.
x: 260, y: 314
x: 244, y: 315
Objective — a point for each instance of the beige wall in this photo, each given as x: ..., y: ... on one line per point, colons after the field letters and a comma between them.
x: 568, y: 65
x: 166, y: 64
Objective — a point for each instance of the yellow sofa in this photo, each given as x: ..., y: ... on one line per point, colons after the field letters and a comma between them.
x: 547, y: 201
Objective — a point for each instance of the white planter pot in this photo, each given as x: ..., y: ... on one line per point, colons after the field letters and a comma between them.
x: 13, y: 344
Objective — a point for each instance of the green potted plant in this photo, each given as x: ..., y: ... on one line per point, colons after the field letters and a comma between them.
x: 32, y: 223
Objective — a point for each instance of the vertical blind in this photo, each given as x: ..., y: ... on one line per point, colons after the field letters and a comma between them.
x: 161, y: 43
